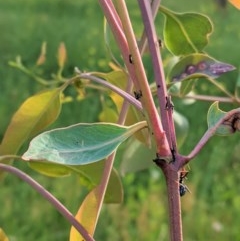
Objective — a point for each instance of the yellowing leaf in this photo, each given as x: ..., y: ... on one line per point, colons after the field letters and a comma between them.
x: 88, y: 212
x: 50, y: 169
x: 118, y: 78
x: 3, y: 236
x: 62, y: 55
x: 235, y: 3
x: 108, y: 114
x: 35, y: 114
x: 42, y: 57
x: 87, y: 215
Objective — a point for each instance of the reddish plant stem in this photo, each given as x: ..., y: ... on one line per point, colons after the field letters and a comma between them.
x: 164, y: 100
x: 152, y: 116
x: 114, y: 88
x: 47, y: 195
x: 174, y: 205
x: 143, y: 42
x: 172, y: 180
x: 116, y: 26
x: 170, y: 170
x: 208, y: 134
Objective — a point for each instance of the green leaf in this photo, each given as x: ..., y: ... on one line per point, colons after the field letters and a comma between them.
x: 181, y: 126
x: 107, y: 39
x: 119, y: 79
x: 90, y: 176
x: 35, y: 114
x: 108, y: 114
x: 50, y: 169
x: 214, y: 115
x: 185, y: 33
x: 79, y: 144
x: 186, y: 87
x: 136, y: 157
x: 197, y: 65
x: 114, y: 192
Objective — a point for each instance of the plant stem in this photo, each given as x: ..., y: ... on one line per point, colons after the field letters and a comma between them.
x: 170, y: 170
x: 18, y: 64
x: 110, y: 159
x: 209, y: 133
x: 164, y: 100
x: 115, y: 24
x: 172, y: 180
x: 207, y: 98
x: 117, y: 30
x: 47, y: 195
x: 114, y: 88
x: 154, y: 121
x: 143, y: 42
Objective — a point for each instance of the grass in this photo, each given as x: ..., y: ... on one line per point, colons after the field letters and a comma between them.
x: 209, y: 212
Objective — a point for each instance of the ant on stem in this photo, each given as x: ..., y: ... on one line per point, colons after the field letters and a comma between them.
x: 182, y: 187
x: 137, y: 94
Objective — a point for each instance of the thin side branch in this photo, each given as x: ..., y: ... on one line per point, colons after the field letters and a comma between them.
x: 206, y: 98
x: 112, y: 87
x: 208, y: 134
x: 47, y: 195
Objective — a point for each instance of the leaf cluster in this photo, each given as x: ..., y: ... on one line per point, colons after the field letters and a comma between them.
x: 88, y: 149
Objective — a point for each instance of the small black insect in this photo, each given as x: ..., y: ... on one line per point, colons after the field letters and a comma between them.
x: 137, y: 94
x: 169, y: 104
x: 158, y: 160
x: 130, y: 59
x: 160, y: 43
x: 182, y: 187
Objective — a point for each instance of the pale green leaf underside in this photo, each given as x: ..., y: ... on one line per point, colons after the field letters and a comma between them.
x: 79, y: 144
x: 213, y: 116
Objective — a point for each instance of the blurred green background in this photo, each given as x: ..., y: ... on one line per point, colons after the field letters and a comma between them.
x: 210, y: 212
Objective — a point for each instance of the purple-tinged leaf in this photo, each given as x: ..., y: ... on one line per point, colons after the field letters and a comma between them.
x: 198, y: 65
